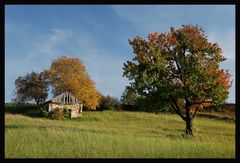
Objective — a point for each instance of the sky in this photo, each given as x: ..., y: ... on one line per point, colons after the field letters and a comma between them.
x: 98, y: 35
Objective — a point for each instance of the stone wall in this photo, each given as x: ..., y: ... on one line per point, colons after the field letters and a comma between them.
x: 76, y: 109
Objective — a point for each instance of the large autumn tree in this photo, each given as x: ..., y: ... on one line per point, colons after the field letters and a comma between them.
x: 69, y: 74
x: 32, y: 86
x: 180, y: 65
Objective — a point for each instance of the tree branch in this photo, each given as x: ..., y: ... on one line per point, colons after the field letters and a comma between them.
x: 196, y: 103
x: 177, y: 109
x: 194, y: 113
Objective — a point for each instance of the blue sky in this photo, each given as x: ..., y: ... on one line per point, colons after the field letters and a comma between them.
x: 98, y: 35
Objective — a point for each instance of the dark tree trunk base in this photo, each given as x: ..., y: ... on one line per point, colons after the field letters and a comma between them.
x: 189, y: 131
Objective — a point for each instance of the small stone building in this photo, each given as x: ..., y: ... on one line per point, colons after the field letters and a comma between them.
x: 68, y: 101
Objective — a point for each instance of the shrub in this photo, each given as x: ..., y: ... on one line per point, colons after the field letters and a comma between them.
x: 59, y: 113
x: 56, y: 114
x: 109, y: 103
x: 43, y: 113
x: 66, y: 113
x: 151, y: 104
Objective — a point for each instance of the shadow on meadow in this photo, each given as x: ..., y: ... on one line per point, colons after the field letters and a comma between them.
x: 225, y: 112
x: 26, y: 109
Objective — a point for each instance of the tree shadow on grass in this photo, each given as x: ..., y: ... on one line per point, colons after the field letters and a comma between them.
x: 30, y: 111
x: 217, y: 116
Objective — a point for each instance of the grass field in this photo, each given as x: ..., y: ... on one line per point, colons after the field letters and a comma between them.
x: 112, y: 134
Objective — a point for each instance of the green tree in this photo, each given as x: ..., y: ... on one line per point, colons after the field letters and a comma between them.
x: 129, y: 97
x: 32, y: 86
x: 143, y: 103
x: 179, y: 65
x: 109, y: 103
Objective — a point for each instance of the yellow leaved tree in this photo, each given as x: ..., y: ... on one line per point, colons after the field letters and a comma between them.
x: 69, y: 74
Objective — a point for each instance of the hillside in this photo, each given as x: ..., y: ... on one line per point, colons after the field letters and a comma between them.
x: 112, y: 134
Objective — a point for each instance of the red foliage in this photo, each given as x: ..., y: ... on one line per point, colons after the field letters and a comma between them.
x: 154, y: 36
x: 222, y: 78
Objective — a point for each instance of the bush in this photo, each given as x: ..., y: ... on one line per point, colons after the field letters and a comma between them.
x: 130, y: 107
x: 43, y: 113
x: 109, y: 103
x: 151, y: 104
x: 66, y: 113
x: 132, y: 101
x: 56, y: 114
x: 59, y: 113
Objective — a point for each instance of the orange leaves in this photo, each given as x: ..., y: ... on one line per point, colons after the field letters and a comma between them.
x: 227, y: 78
x: 221, y: 77
x: 154, y: 36
x: 68, y: 74
x: 199, y: 106
x: 139, y: 57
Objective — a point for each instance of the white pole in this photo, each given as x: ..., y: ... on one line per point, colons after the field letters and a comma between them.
x: 81, y: 107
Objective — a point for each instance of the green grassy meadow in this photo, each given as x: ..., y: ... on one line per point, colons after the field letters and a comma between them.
x: 115, y: 134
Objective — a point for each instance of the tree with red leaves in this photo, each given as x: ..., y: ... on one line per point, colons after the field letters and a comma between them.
x: 179, y: 65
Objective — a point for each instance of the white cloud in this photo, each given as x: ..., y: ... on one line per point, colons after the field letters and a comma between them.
x: 146, y: 18
x: 145, y: 13
x: 134, y: 14
x: 225, y: 40
x: 37, y: 56
x: 104, y: 67
x: 49, y: 46
x: 16, y: 28
x: 58, y: 35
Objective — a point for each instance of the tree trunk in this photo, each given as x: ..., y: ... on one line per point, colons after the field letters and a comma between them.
x: 189, y: 131
x: 188, y: 120
x: 37, y: 102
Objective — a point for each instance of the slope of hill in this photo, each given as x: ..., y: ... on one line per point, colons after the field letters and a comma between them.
x: 112, y: 134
